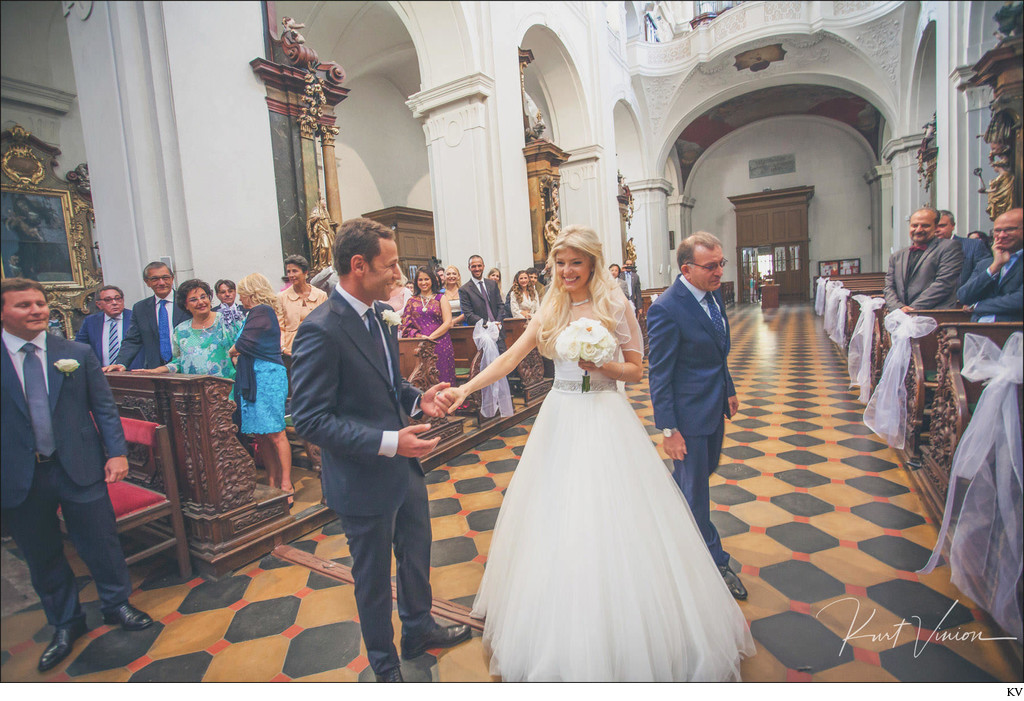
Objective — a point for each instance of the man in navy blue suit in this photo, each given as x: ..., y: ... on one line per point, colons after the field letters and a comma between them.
x: 105, y: 330
x: 995, y: 292
x: 974, y: 250
x: 62, y: 443
x: 349, y: 398
x: 691, y: 388
x: 153, y: 322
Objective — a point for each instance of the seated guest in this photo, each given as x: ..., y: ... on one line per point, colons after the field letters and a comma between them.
x: 153, y: 319
x: 297, y: 300
x: 229, y: 306
x: 537, y: 284
x: 200, y: 344
x: 262, y: 382
x: 400, y: 294
x: 994, y: 291
x: 983, y: 237
x: 452, y: 283
x: 428, y: 315
x: 523, y: 300
x: 105, y: 329
x: 974, y: 251
x: 616, y: 272
x: 924, y: 275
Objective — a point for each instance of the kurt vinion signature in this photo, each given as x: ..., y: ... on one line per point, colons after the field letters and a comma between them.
x: 920, y: 640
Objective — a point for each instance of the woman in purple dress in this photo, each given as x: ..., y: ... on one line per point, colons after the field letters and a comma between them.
x: 429, y: 315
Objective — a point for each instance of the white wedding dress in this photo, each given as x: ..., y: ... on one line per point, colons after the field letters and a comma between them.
x: 596, y: 571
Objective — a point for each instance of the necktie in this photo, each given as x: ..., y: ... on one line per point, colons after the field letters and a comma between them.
x: 165, y: 332
x: 487, y: 302
x: 114, y: 342
x: 716, y: 318
x: 38, y: 401
x: 373, y: 326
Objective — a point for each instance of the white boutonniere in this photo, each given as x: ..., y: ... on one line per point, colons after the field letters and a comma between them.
x: 66, y: 365
x: 391, y: 317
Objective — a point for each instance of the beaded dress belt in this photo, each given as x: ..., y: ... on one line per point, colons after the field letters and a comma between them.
x: 576, y: 386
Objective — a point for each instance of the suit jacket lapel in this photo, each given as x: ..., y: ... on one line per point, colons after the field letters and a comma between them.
x: 691, y: 305
x: 54, y: 377
x: 352, y: 324
x: 9, y: 380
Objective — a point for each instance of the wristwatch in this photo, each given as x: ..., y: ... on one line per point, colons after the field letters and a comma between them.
x: 667, y: 432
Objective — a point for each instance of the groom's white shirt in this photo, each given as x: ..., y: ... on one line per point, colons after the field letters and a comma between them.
x: 703, y: 298
x: 389, y: 439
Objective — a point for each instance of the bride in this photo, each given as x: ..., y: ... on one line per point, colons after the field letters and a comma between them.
x: 596, y: 570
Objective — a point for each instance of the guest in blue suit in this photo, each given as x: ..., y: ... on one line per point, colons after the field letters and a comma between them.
x: 349, y: 398
x: 995, y: 292
x: 105, y: 330
x: 975, y: 251
x: 62, y: 443
x: 691, y: 388
x: 153, y: 322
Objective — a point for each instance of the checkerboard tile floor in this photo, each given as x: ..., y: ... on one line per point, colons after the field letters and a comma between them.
x: 822, y: 523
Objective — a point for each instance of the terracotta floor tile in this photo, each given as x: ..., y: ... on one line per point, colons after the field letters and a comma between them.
x: 853, y: 566
x: 159, y: 602
x: 469, y: 471
x: 846, y: 526
x: 257, y: 660
x: 862, y: 622
x: 483, y: 541
x: 441, y: 490
x: 191, y: 633
x: 333, y: 675
x: 332, y: 547
x: 756, y: 549
x: 769, y: 486
x: 323, y: 606
x: 762, y: 667
x: 20, y: 627
x: 480, y: 501
x: 840, y: 494
x: 121, y: 674
x: 855, y: 671
x: 466, y: 662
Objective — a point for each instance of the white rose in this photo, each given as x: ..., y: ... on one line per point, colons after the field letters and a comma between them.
x: 391, y: 317
x: 66, y: 365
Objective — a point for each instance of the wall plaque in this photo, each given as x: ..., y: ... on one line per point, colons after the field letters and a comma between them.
x: 773, y: 165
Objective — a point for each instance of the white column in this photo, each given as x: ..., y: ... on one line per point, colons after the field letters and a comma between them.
x: 676, y: 207
x: 908, y: 193
x: 581, y: 192
x: 172, y: 148
x: 455, y: 120
x: 879, y: 181
x: 649, y: 231
x: 971, y: 215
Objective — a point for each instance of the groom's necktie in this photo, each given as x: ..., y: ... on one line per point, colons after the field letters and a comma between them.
x: 38, y: 401
x: 373, y: 326
x: 716, y: 318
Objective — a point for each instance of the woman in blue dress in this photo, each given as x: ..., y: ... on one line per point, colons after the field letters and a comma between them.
x: 261, y: 381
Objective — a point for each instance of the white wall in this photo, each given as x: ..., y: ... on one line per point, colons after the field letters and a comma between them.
x: 829, y: 155
x: 382, y: 159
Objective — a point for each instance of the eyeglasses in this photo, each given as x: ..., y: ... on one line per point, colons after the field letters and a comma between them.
x: 160, y: 278
x: 201, y: 297
x: 112, y: 299
x: 710, y: 267
x: 1007, y: 230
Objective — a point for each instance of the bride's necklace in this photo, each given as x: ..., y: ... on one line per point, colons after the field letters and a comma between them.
x: 580, y: 304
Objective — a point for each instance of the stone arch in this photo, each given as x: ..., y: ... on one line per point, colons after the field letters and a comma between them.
x: 628, y: 141
x: 554, y: 82
x: 445, y: 48
x: 921, y: 105
x: 632, y: 21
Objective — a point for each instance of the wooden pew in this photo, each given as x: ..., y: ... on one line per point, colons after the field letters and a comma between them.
x: 921, y: 381
x: 418, y: 364
x: 646, y: 298
x: 951, y: 407
x: 531, y: 369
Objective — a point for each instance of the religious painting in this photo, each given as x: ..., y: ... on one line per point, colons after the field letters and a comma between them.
x: 34, y: 235
x: 849, y: 266
x: 828, y: 268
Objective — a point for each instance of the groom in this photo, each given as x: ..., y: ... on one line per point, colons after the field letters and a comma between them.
x: 349, y: 398
x: 691, y: 389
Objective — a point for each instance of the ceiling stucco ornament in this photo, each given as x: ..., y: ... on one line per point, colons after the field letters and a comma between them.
x: 660, y: 93
x: 880, y: 41
x: 848, y: 8
x: 731, y: 22
x: 677, y: 50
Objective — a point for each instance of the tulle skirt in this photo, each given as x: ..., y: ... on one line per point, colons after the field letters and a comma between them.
x: 596, y: 571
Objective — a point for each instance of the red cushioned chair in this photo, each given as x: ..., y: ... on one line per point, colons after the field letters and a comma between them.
x: 144, y: 510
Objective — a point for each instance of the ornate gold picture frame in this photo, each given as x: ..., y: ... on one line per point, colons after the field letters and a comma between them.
x: 46, y: 226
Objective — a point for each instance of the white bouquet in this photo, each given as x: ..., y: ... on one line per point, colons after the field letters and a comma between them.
x: 588, y: 340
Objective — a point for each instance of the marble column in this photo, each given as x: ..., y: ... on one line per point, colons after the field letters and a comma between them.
x: 971, y: 214
x: 908, y: 193
x: 649, y: 231
x: 879, y: 180
x: 581, y: 192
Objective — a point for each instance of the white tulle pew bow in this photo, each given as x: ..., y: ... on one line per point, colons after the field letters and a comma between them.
x: 819, y: 296
x: 495, y: 397
x: 859, y: 353
x: 886, y: 412
x: 985, y: 555
x: 837, y: 302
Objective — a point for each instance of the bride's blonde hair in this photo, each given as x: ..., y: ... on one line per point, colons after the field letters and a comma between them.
x: 556, y: 309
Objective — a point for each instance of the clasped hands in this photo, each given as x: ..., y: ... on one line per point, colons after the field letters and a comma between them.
x: 433, y: 403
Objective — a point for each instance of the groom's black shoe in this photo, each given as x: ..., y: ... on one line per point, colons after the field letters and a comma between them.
x: 736, y: 587
x: 60, y: 646
x: 392, y: 675
x: 438, y: 637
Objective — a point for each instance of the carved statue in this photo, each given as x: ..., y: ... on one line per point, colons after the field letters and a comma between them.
x: 630, y: 252
x: 292, y: 26
x: 1000, y: 137
x: 320, y: 230
x: 534, y: 118
x: 553, y: 226
x: 1000, y: 194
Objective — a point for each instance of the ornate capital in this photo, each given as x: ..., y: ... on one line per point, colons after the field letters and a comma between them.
x: 652, y: 185
x: 474, y: 88
x: 900, y: 145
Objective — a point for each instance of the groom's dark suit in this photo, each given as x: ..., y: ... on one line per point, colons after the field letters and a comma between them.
x: 690, y: 389
x: 344, y: 397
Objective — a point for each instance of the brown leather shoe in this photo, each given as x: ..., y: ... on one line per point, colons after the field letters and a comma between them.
x: 438, y: 637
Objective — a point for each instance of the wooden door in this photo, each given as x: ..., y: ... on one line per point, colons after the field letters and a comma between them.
x: 777, y: 219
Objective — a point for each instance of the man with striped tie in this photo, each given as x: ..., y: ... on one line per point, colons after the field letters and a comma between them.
x: 106, y: 329
x: 153, y: 321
